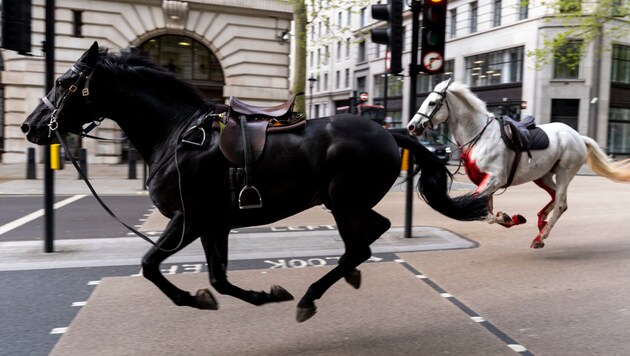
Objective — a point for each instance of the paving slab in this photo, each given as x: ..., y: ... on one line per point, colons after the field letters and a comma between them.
x: 393, y: 313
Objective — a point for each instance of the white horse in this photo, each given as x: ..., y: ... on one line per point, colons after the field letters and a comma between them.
x: 491, y: 165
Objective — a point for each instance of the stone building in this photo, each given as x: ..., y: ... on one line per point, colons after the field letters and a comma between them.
x: 224, y: 47
x: 487, y: 42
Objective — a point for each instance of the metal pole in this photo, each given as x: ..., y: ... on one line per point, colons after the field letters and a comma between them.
x: 49, y: 177
x: 413, y: 79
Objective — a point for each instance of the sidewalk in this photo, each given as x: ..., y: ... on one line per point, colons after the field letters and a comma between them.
x: 107, y: 179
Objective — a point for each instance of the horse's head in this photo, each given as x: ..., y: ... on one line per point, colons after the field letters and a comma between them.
x: 65, y: 107
x: 432, y: 111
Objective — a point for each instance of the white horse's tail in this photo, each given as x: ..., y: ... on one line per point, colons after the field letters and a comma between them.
x: 619, y: 171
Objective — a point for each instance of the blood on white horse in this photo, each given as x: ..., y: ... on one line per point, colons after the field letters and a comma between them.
x: 488, y: 161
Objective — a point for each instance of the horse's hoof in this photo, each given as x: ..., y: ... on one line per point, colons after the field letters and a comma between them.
x: 354, y: 278
x: 205, y: 300
x: 280, y: 294
x: 537, y: 244
x: 303, y: 314
x: 505, y: 218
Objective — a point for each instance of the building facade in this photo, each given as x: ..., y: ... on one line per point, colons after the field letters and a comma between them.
x: 487, y: 48
x: 225, y: 48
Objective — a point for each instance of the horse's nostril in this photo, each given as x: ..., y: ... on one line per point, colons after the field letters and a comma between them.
x: 25, y: 128
x: 411, y: 128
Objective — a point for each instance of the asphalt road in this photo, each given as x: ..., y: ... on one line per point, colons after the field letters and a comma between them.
x: 83, y: 218
x: 570, y: 298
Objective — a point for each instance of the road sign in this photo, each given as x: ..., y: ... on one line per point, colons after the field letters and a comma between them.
x: 363, y: 97
x: 433, y: 62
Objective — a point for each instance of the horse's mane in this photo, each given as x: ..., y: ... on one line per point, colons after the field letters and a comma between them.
x: 467, y: 97
x: 141, y: 71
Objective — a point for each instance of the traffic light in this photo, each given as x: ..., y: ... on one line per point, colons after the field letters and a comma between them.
x: 392, y: 36
x: 433, y: 33
x: 16, y: 25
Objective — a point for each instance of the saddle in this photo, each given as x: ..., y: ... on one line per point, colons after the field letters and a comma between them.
x: 521, y: 136
x: 243, y: 138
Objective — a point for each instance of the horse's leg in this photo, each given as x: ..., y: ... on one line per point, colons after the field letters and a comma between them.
x: 168, y: 244
x: 546, y: 183
x: 357, y: 237
x: 563, y: 178
x: 215, y: 247
x: 488, y: 186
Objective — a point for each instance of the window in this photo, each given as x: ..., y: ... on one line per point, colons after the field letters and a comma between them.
x: 361, y: 84
x: 349, y: 17
x: 394, y: 85
x: 453, y: 29
x: 361, y: 52
x: 523, y: 10
x: 312, y: 59
x: 362, y: 17
x: 496, y: 20
x: 621, y: 64
x: 77, y: 23
x: 427, y: 83
x: 325, y: 87
x: 495, y: 67
x: 566, y: 63
x: 340, y: 19
x: 337, y: 79
x: 346, y: 82
x: 619, y: 131
x: 347, y: 48
x: 565, y: 111
x: 326, y: 55
x: 338, y: 54
x: 473, y: 17
x: 184, y: 56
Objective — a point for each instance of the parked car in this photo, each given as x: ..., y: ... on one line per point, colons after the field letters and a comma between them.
x: 442, y: 151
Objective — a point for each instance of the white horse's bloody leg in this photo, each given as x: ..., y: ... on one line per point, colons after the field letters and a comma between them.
x: 546, y: 183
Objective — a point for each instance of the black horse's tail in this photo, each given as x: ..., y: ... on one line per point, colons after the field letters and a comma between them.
x: 434, y: 181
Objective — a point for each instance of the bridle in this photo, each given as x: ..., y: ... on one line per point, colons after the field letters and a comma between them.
x: 84, y: 74
x: 437, y: 107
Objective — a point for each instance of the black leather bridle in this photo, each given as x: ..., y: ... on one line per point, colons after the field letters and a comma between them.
x: 437, y: 107
x: 84, y: 74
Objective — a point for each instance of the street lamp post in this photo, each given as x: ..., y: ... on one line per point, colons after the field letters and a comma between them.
x: 311, y: 83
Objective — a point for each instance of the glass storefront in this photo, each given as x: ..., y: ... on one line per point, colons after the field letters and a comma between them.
x: 188, y: 59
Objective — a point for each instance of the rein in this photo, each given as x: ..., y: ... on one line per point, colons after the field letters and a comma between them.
x: 53, y: 126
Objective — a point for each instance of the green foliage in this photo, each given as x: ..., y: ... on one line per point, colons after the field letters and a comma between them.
x: 583, y: 21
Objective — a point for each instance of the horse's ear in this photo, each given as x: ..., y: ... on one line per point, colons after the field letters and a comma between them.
x: 90, y: 56
x: 448, y: 84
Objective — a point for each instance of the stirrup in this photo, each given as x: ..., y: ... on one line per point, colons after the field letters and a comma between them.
x: 251, y: 195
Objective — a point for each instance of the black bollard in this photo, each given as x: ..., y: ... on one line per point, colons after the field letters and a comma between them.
x: 145, y: 169
x: 132, y: 163
x: 31, y: 169
x: 83, y: 162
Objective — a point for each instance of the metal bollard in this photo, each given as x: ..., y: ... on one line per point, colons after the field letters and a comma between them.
x: 83, y: 162
x: 31, y: 169
x: 132, y: 164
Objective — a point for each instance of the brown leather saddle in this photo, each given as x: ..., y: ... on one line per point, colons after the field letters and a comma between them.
x: 521, y: 136
x: 243, y: 138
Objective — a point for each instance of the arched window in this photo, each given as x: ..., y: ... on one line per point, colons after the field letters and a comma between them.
x: 188, y: 59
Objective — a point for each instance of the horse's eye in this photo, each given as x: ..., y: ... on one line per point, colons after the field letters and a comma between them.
x: 431, y: 103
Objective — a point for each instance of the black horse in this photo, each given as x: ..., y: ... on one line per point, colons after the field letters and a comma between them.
x: 343, y: 162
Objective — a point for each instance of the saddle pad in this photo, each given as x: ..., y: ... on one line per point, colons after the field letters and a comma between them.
x: 539, y: 139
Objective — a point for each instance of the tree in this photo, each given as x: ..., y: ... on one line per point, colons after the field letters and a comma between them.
x: 303, y: 17
x: 585, y: 23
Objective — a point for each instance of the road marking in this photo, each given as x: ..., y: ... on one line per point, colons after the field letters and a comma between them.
x: 58, y: 331
x: 79, y: 304
x: 39, y: 213
x: 93, y: 283
x: 509, y: 342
